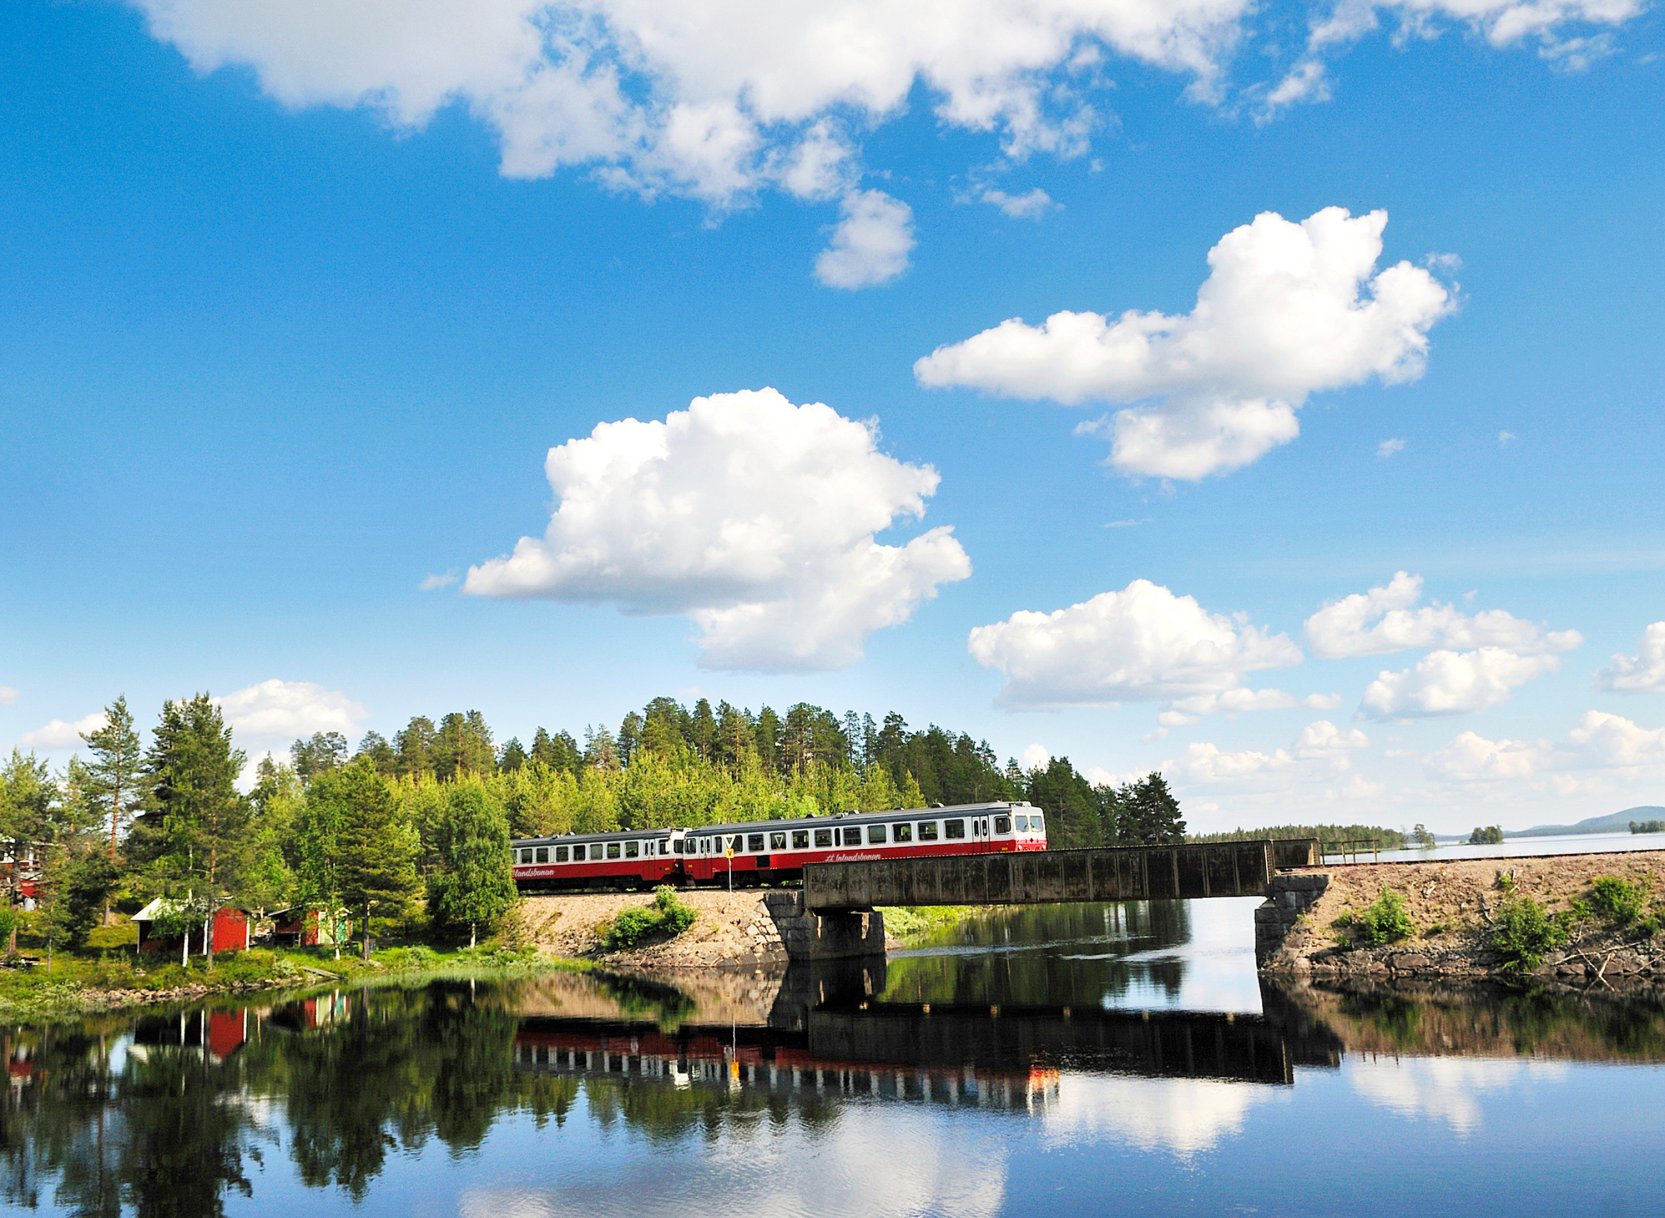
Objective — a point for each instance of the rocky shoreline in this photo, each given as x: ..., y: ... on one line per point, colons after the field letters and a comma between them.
x: 1454, y: 906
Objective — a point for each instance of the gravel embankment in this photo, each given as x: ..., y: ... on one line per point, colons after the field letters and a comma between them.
x: 1453, y: 902
x: 728, y: 931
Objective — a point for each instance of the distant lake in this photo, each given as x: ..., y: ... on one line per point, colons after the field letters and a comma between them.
x: 1514, y: 847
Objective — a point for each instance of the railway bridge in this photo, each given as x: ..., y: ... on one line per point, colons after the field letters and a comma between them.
x: 835, y: 913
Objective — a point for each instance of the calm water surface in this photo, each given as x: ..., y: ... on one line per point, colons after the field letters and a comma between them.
x: 1514, y: 847
x: 1074, y: 1060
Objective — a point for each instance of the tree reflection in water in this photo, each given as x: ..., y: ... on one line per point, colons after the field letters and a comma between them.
x: 164, y: 1115
x: 1014, y: 954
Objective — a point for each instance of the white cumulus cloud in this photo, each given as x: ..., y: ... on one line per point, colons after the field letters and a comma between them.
x: 1387, y: 618
x: 1141, y: 644
x: 871, y: 244
x: 1030, y: 205
x: 713, y: 99
x: 1452, y: 683
x: 1470, y: 757
x: 1609, y: 740
x: 1289, y: 309
x: 1642, y: 673
x: 1321, y: 738
x: 8, y: 695
x: 277, y: 710
x: 59, y: 734
x: 1207, y: 762
x: 1390, y: 448
x: 753, y: 516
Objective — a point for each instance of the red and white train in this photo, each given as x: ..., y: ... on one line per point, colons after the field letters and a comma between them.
x: 757, y: 852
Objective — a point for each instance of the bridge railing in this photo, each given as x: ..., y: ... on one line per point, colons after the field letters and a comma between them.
x: 1125, y: 873
x: 1291, y: 852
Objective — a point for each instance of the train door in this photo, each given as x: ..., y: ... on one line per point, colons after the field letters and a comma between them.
x: 675, y: 846
x: 980, y: 834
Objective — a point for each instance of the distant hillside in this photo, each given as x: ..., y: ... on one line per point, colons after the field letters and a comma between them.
x: 1613, y: 822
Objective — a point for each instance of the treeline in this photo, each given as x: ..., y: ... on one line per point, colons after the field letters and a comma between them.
x: 1647, y: 826
x: 1327, y: 835
x: 674, y: 765
x: 375, y: 830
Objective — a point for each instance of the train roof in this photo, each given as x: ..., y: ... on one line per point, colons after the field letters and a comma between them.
x: 799, y: 822
x: 804, y: 822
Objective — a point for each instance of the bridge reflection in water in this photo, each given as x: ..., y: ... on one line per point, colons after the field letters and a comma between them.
x: 824, y: 1034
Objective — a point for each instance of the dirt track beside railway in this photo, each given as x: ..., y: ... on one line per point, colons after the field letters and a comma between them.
x: 728, y: 931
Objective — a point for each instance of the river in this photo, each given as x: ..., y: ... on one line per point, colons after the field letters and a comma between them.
x: 1121, y: 1059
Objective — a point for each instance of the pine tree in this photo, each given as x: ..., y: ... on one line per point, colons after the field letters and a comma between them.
x: 413, y: 747
x: 1152, y: 813
x: 377, y: 848
x: 113, y: 776
x: 512, y: 757
x: 324, y: 751
x: 474, y: 883
x: 198, y: 842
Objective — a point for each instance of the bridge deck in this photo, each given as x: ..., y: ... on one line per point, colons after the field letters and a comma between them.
x: 1124, y: 873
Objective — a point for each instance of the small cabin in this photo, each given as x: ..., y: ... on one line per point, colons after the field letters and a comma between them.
x: 310, y: 928
x: 229, y: 933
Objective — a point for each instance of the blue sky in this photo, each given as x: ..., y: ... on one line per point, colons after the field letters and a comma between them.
x: 295, y: 299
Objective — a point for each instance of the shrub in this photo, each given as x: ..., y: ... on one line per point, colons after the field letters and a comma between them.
x: 1522, y: 932
x: 667, y: 916
x: 1384, y: 920
x: 1618, y: 899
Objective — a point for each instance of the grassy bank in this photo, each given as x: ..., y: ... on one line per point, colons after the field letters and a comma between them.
x: 75, y: 985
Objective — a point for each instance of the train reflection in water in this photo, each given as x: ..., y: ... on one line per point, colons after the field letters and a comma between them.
x: 707, y: 1059
x: 823, y: 1035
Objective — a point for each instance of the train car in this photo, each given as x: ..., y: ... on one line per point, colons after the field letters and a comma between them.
x: 773, y: 850
x: 621, y: 859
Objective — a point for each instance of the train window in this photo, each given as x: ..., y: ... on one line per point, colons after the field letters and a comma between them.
x: 928, y: 831
x: 777, y: 841
x: 1035, y: 823
x: 823, y: 838
x: 754, y: 843
x: 612, y: 850
x: 1002, y: 824
x: 580, y: 853
x: 543, y: 854
x: 632, y: 849
x: 904, y: 833
x: 851, y: 835
x: 1022, y: 823
x: 800, y: 839
x: 954, y: 828
x: 876, y: 833
x: 560, y: 854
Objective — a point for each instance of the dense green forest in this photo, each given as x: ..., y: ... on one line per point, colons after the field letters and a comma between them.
x: 429, y: 814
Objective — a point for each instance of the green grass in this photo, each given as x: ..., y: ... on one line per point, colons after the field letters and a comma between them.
x: 76, y: 984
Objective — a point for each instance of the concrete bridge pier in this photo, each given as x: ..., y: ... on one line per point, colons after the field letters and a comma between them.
x: 826, y: 935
